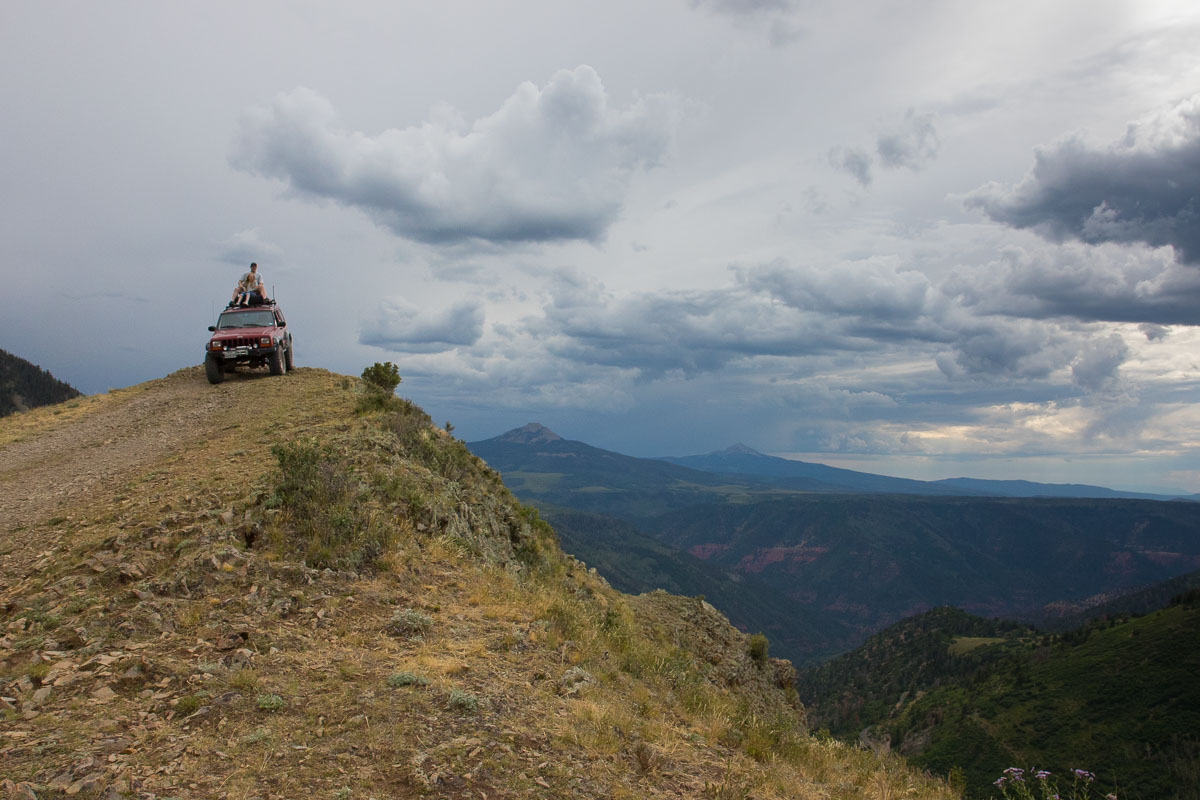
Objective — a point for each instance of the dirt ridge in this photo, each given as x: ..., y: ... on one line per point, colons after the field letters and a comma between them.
x: 161, y: 635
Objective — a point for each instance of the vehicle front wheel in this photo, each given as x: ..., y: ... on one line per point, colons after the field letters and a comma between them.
x: 288, y: 362
x: 276, y: 363
x: 212, y: 370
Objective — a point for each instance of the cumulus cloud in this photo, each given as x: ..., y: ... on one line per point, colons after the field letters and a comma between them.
x: 1095, y: 368
x: 401, y: 327
x: 552, y: 163
x: 1005, y: 348
x: 1143, y: 188
x: 673, y: 332
x: 874, y: 288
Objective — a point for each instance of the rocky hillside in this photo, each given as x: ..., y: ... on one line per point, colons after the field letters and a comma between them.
x: 286, y: 587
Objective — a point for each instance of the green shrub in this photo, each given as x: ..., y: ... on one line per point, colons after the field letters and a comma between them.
x: 269, y: 702
x: 244, y: 680
x: 187, y: 705
x: 372, y: 401
x: 328, y: 521
x: 383, y: 377
x: 419, y: 439
x: 401, y: 679
x: 758, y: 648
x: 409, y: 623
x: 539, y: 550
x: 462, y: 701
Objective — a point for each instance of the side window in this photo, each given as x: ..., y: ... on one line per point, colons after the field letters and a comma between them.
x: 279, y: 318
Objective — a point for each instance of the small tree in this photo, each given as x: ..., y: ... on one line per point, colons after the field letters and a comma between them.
x: 385, y: 377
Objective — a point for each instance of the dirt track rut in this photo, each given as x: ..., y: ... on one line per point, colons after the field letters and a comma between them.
x: 44, y: 474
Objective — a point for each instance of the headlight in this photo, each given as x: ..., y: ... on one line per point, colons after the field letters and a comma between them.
x: 214, y: 345
x: 264, y: 341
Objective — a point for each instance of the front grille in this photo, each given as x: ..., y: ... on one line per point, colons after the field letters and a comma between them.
x: 239, y: 341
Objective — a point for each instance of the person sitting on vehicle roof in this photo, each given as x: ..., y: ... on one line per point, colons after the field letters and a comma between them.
x: 250, y: 284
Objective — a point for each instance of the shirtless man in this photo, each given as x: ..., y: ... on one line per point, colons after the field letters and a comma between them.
x: 250, y: 283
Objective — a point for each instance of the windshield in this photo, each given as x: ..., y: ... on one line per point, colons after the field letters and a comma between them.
x: 246, y: 319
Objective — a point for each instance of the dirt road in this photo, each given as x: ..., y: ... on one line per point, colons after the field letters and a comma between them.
x: 58, y: 461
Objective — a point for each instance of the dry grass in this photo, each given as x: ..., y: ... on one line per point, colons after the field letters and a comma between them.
x: 37, y: 421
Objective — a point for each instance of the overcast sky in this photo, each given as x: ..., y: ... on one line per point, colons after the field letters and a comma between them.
x: 927, y: 239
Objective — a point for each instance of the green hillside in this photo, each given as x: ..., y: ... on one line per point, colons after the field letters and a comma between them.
x: 24, y: 386
x: 1118, y: 698
x: 944, y: 645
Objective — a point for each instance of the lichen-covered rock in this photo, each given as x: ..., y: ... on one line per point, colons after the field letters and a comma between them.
x: 574, y: 681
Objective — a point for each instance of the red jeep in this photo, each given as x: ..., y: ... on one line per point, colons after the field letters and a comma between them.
x: 249, y: 337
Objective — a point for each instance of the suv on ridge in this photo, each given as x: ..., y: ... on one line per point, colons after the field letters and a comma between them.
x: 250, y: 337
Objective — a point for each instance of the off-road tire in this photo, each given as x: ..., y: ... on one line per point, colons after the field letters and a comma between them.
x: 212, y: 370
x: 288, y: 361
x: 276, y: 363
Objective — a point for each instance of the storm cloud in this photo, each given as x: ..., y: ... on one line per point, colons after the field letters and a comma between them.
x: 659, y: 333
x: 1101, y: 283
x: 552, y: 163
x: 401, y: 327
x: 1143, y: 188
x: 789, y: 316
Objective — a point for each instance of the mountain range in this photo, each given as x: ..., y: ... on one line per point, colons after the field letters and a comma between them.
x: 742, y: 460
x: 838, y: 554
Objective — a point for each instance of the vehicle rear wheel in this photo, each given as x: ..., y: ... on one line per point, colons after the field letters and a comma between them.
x: 212, y: 370
x: 278, y: 367
x: 288, y: 362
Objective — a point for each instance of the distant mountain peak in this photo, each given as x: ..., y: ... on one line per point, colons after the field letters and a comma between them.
x: 533, y: 433
x: 740, y: 449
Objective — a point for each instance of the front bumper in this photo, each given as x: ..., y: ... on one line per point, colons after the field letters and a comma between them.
x: 236, y: 354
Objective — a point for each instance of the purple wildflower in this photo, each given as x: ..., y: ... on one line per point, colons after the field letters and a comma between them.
x: 1084, y: 775
x: 1000, y: 781
x: 1042, y: 774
